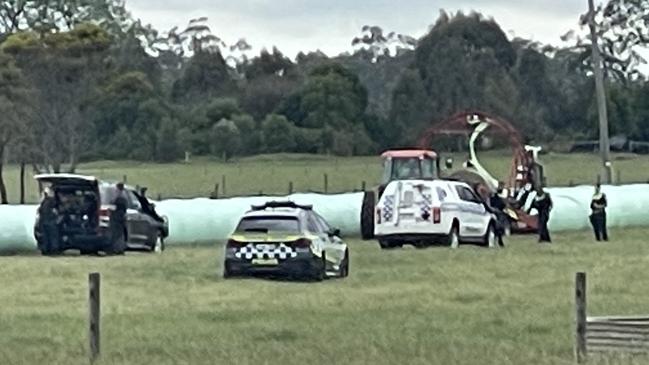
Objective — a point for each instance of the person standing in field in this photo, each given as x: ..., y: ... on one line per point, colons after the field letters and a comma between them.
x: 543, y: 204
x: 118, y: 220
x: 598, y: 206
x: 48, y: 218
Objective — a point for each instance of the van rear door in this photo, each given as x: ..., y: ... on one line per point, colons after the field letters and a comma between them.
x: 414, y: 203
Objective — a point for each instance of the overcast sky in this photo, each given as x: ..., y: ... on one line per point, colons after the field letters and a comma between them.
x: 330, y: 25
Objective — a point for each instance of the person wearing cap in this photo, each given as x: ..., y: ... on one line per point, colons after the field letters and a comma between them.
x: 48, y: 219
x: 543, y: 204
x: 598, y: 206
x: 118, y: 220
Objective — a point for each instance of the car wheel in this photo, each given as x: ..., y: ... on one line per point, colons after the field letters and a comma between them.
x: 319, y: 269
x: 159, y: 244
x: 344, y: 266
x: 453, y: 238
x: 227, y: 274
x: 490, y: 237
x: 367, y: 215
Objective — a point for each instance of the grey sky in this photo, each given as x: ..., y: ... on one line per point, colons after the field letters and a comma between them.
x: 330, y: 25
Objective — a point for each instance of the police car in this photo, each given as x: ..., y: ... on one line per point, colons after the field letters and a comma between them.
x: 423, y: 212
x: 287, y: 239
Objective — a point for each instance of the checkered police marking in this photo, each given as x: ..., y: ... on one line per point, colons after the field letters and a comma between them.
x: 426, y: 204
x: 388, y: 208
x: 265, y: 251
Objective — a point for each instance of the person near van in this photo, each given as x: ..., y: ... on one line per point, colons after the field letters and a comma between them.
x: 118, y: 219
x: 543, y: 204
x: 598, y: 206
x: 48, y: 218
x: 498, y: 205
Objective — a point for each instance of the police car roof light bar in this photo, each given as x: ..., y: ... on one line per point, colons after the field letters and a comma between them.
x: 286, y: 204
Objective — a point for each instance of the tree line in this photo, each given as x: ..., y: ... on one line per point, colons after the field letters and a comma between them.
x: 85, y: 80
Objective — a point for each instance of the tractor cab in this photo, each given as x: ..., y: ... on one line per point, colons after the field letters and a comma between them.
x: 409, y: 165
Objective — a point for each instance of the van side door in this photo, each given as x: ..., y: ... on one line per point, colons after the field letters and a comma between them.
x: 472, y: 211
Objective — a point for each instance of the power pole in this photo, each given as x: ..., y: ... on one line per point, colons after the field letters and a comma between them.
x: 604, y: 144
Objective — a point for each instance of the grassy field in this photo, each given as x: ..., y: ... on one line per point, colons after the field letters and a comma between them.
x: 434, y: 306
x: 272, y: 174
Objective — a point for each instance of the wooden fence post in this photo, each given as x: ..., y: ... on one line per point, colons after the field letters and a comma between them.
x: 619, y: 177
x: 124, y: 179
x: 94, y: 281
x: 580, y: 301
x: 290, y: 187
x: 363, y: 186
x: 326, y: 183
x: 215, y: 192
x: 159, y: 196
x: 223, y: 185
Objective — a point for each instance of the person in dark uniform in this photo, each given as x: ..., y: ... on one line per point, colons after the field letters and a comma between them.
x: 118, y: 221
x: 598, y: 206
x: 543, y: 204
x: 497, y: 205
x: 48, y: 219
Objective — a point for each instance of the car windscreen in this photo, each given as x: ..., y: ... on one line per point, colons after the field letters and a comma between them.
x: 265, y: 224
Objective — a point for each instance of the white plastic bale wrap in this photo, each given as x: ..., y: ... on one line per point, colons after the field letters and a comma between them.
x: 627, y: 206
x: 209, y: 221
x: 205, y: 220
x: 17, y: 227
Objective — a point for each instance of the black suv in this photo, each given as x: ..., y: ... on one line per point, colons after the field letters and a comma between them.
x: 83, y: 209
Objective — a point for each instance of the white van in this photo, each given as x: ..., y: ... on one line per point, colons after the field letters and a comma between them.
x: 422, y: 213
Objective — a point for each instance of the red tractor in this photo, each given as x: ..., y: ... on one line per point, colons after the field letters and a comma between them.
x: 525, y: 177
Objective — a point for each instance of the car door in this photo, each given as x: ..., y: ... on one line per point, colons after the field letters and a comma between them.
x: 334, y: 246
x: 136, y: 222
x: 319, y: 237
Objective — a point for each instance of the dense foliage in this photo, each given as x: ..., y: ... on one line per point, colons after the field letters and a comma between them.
x: 84, y: 80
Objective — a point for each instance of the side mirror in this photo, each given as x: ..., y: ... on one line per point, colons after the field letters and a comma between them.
x: 449, y: 163
x: 334, y: 232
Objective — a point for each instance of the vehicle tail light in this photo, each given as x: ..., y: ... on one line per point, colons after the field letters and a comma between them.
x: 378, y: 215
x: 302, y: 243
x: 437, y: 215
x: 104, y: 218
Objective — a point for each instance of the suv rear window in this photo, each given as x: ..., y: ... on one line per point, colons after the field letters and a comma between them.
x: 269, y: 224
x: 108, y: 194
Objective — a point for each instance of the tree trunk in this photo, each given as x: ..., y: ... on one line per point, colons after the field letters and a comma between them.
x: 22, y: 182
x: 73, y: 155
x: 3, y: 189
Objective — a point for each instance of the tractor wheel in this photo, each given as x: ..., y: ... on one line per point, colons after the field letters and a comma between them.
x: 367, y: 215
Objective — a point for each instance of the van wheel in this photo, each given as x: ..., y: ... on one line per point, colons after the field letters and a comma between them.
x: 453, y: 238
x: 367, y: 215
x: 490, y: 237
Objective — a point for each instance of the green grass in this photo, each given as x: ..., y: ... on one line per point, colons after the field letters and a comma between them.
x: 433, y: 306
x: 271, y: 174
